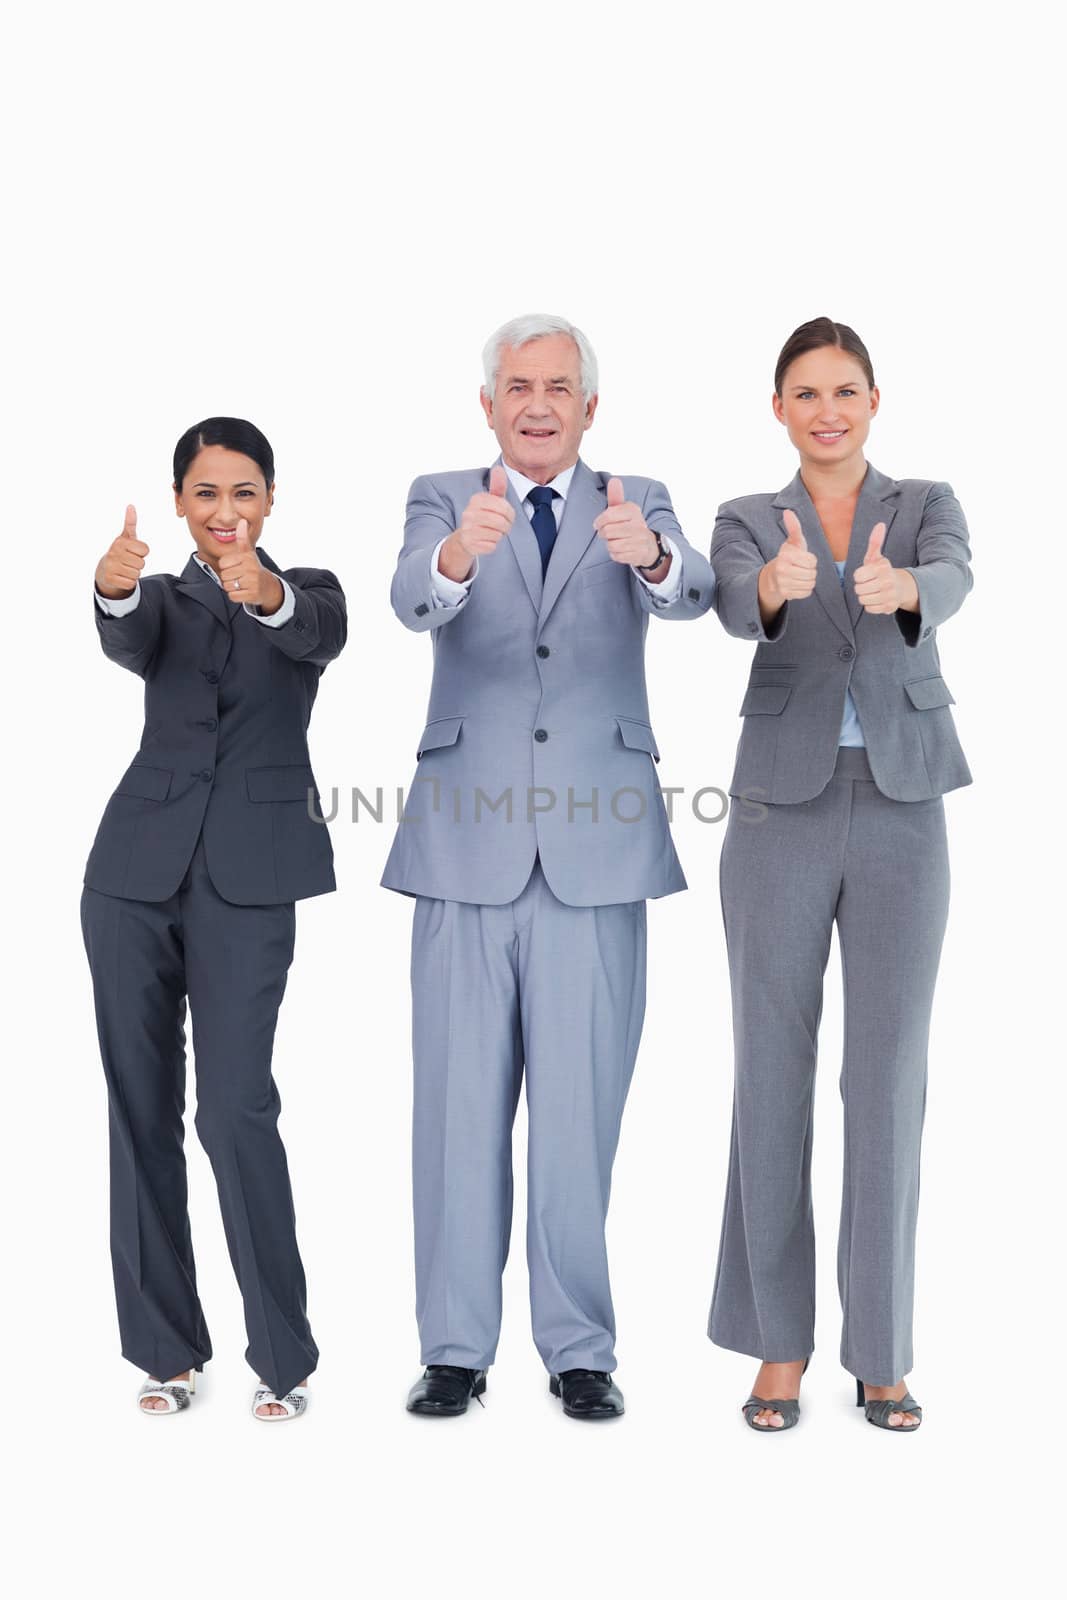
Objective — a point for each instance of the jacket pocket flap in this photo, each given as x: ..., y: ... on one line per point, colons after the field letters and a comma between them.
x: 598, y: 572
x: 926, y: 693
x: 147, y: 783
x: 279, y: 783
x: 637, y: 735
x: 765, y: 699
x: 442, y: 731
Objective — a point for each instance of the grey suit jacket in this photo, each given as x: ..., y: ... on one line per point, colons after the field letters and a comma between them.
x: 819, y: 647
x: 537, y: 735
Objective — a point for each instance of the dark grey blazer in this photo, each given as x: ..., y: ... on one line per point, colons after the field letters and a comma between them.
x: 224, y: 747
x: 822, y: 646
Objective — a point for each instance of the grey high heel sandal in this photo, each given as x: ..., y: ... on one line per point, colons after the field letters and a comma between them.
x: 880, y: 1411
x: 788, y: 1410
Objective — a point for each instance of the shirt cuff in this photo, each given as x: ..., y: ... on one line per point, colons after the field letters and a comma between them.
x: 283, y: 613
x: 667, y: 591
x: 118, y: 608
x: 446, y: 591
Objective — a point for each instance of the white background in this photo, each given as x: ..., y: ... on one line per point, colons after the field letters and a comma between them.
x: 313, y: 216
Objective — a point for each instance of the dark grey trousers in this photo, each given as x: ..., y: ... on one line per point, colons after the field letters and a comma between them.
x: 879, y: 868
x: 232, y: 963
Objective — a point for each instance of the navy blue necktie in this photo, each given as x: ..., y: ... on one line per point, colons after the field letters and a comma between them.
x: 544, y: 521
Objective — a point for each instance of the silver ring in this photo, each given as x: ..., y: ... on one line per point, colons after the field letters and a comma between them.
x: 237, y: 583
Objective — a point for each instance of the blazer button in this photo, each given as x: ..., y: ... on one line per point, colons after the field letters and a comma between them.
x: 421, y: 610
x: 927, y: 632
x: 212, y: 677
x: 206, y: 775
x: 694, y: 594
x: 540, y: 735
x: 846, y: 652
x: 210, y: 724
x: 753, y: 627
x: 543, y: 651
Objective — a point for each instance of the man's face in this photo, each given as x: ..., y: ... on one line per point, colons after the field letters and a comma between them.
x: 537, y: 410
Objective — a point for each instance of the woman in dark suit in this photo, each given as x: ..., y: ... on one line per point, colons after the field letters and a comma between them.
x: 212, y: 834
x: 848, y: 744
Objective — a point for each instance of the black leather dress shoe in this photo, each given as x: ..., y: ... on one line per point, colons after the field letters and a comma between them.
x: 445, y: 1391
x: 589, y: 1396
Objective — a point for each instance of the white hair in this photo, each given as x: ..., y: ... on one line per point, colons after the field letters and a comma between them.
x: 537, y: 325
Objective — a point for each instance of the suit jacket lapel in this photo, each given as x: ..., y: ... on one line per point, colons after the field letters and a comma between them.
x: 265, y: 560
x: 586, y: 499
x: 195, y: 582
x: 523, y: 542
x: 873, y: 506
x: 794, y: 497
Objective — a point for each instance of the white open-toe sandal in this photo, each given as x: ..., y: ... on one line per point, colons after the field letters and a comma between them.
x: 176, y: 1393
x: 294, y: 1403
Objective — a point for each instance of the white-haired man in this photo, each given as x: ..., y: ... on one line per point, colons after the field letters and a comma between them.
x: 533, y: 835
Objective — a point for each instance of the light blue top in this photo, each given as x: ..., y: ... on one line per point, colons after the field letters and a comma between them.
x: 851, y: 732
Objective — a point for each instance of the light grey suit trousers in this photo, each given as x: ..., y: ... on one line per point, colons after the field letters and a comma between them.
x: 534, y: 832
x: 560, y: 990
x: 879, y: 868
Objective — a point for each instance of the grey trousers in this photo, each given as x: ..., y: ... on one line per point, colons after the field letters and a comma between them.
x: 878, y: 867
x: 232, y: 963
x: 559, y: 990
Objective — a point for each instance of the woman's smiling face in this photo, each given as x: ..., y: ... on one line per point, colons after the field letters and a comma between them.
x: 220, y: 487
x: 826, y: 405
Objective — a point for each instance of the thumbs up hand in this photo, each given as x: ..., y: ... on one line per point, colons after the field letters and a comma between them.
x: 487, y: 517
x: 245, y: 580
x: 119, y: 570
x: 625, y: 531
x: 877, y: 582
x: 791, y: 575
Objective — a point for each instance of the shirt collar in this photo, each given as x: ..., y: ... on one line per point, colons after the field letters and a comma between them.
x: 210, y: 570
x: 561, y: 482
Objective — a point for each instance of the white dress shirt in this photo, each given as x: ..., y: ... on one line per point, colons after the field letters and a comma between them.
x: 447, y: 592
x: 130, y: 602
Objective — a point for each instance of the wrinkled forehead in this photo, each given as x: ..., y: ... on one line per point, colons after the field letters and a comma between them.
x: 555, y: 356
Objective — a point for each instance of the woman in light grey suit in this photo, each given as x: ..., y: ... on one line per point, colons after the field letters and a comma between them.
x: 848, y: 744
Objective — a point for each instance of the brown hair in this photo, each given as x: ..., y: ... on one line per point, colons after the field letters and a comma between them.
x: 816, y: 335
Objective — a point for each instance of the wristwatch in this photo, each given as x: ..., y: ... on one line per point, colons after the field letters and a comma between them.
x: 663, y: 553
